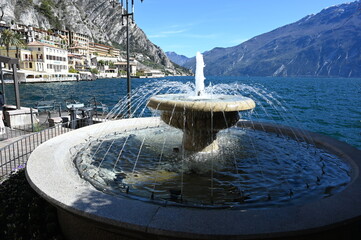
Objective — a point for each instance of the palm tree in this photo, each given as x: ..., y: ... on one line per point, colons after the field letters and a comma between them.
x: 10, y: 38
x: 18, y: 43
x: 7, y: 39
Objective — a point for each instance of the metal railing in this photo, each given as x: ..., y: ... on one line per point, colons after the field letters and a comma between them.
x: 15, y: 155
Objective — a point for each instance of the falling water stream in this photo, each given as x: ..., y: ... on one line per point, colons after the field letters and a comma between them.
x: 249, y: 168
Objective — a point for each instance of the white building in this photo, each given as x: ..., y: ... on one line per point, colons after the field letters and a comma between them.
x: 55, y: 59
x: 50, y: 64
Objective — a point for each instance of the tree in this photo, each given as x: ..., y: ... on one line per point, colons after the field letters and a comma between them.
x: 10, y: 38
x: 18, y: 43
x: 7, y: 39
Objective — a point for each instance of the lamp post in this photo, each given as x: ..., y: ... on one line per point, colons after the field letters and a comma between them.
x: 127, y: 14
x: 129, y: 82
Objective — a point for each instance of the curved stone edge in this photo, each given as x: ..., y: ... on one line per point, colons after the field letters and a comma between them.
x: 157, y: 103
x: 59, y: 183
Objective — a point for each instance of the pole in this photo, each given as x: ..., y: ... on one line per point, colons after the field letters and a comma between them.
x: 2, y: 82
x: 129, y: 86
x: 16, y: 87
x: 32, y: 120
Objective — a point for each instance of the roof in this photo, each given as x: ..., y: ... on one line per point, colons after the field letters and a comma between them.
x: 78, y: 47
x: 125, y: 63
x: 99, y: 44
x: 36, y: 43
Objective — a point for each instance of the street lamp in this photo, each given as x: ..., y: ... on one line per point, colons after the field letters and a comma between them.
x: 126, y: 15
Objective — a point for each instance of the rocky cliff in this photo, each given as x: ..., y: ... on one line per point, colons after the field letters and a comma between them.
x: 326, y: 44
x: 99, y: 19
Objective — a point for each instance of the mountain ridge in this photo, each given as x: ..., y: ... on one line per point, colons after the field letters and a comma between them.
x: 323, y: 44
x: 177, y: 58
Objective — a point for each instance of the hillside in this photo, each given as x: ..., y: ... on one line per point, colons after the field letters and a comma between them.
x: 326, y: 44
x: 98, y: 19
x: 176, y: 58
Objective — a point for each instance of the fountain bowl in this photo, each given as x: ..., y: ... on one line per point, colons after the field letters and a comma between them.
x: 87, y: 213
x: 211, y: 103
x: 200, y: 117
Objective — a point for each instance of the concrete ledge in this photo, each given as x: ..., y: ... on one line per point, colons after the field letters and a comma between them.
x: 83, y: 209
x: 19, y: 117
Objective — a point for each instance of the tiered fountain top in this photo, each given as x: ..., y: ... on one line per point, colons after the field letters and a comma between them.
x: 200, y: 101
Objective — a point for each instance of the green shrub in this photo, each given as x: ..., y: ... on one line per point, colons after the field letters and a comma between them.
x: 72, y: 70
x: 94, y: 71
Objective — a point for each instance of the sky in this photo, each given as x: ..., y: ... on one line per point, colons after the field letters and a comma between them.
x: 188, y: 26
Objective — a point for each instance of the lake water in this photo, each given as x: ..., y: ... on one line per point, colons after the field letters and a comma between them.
x: 330, y: 106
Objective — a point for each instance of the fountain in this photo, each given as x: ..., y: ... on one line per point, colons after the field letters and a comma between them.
x: 200, y: 116
x: 197, y: 172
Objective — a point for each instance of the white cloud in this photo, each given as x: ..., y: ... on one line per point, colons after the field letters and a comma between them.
x: 157, y: 36
x: 202, y: 36
x: 174, y: 31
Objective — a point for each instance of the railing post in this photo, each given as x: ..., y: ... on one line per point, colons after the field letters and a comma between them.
x: 73, y: 117
x: 32, y: 120
x: 16, y: 87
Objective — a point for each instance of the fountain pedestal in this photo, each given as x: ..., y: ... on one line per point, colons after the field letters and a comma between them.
x: 200, y: 118
x: 200, y: 128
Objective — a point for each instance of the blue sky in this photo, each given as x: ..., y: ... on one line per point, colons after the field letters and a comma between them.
x: 188, y: 26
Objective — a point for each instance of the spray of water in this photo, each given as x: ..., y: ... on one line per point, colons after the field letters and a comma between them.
x: 199, y: 74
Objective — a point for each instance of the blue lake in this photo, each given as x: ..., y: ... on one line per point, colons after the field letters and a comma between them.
x: 331, y: 106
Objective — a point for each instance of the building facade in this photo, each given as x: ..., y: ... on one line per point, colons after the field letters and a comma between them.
x: 54, y: 59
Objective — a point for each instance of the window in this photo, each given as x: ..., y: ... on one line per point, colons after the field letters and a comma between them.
x: 30, y: 65
x: 39, y: 49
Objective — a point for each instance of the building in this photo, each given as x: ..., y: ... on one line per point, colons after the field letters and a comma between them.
x: 79, y: 58
x: 78, y: 39
x: 32, y: 34
x: 42, y: 62
x: 154, y: 73
x: 103, y: 50
x: 100, y: 50
x: 54, y: 59
x: 122, y: 67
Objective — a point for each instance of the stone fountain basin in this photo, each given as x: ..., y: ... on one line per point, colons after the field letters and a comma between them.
x: 212, y: 103
x: 86, y: 213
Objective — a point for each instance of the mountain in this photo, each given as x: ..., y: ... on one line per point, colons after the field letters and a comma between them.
x: 99, y: 19
x: 326, y: 44
x: 176, y: 58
